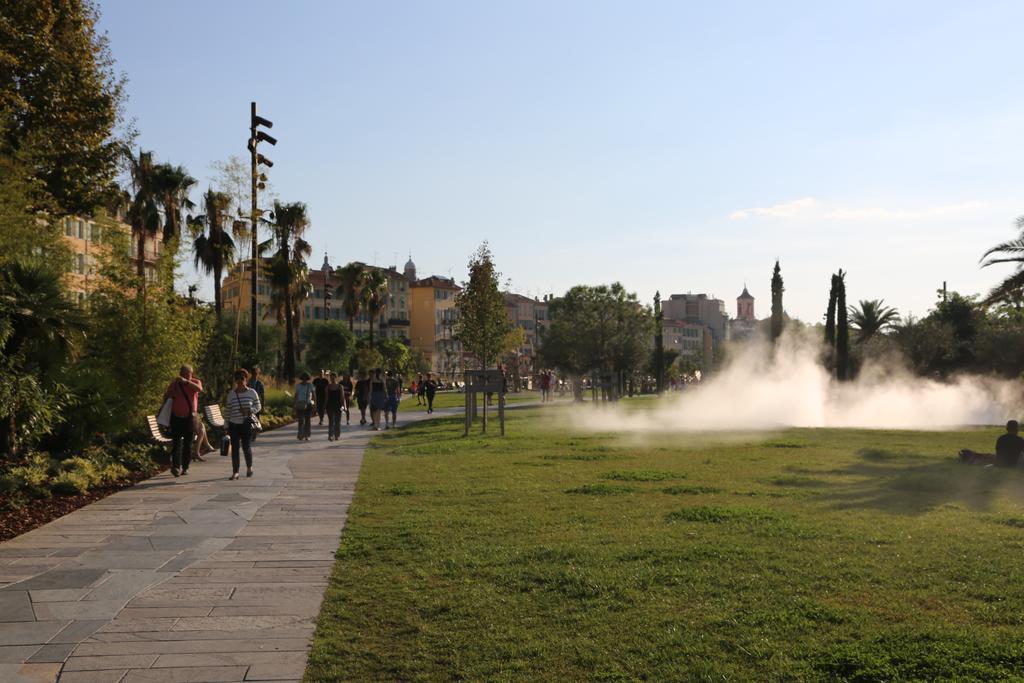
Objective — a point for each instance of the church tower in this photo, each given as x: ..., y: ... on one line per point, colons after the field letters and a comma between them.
x: 745, y: 306
x: 410, y: 270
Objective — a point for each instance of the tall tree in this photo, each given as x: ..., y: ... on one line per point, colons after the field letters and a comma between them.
x: 288, y: 269
x: 60, y: 96
x: 174, y: 185
x: 213, y: 249
x: 777, y: 311
x: 375, y: 295
x: 144, y: 215
x: 601, y: 329
x: 830, y: 316
x: 483, y: 325
x: 842, y: 329
x: 1011, y: 289
x: 871, y: 317
x: 352, y: 279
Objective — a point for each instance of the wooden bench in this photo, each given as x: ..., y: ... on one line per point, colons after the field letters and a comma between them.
x: 214, y: 415
x: 154, y: 430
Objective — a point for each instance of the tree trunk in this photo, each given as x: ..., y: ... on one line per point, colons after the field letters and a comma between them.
x: 8, y: 436
x: 289, y: 336
x: 371, y: 332
x: 216, y: 290
x: 141, y: 255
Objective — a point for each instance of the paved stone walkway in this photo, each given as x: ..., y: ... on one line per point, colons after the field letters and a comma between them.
x: 190, y: 579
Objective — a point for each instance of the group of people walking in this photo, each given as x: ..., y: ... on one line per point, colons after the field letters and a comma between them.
x: 327, y: 395
x: 188, y: 431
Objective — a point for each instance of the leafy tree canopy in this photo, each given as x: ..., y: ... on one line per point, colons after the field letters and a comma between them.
x: 483, y: 325
x: 62, y: 98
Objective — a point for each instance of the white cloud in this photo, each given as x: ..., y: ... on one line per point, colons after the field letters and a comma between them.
x: 784, y: 210
x: 808, y: 207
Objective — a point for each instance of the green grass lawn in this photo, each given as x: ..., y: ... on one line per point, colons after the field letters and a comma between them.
x: 555, y: 555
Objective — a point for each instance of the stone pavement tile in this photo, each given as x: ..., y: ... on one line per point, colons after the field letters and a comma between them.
x: 272, y: 594
x: 197, y: 674
x: 247, y: 623
x: 150, y: 612
x: 96, y: 609
x: 150, y: 559
x: 63, y: 578
x: 78, y: 630
x: 15, y: 605
x: 29, y: 673
x: 276, y: 671
x: 125, y: 543
x: 54, y: 652
x: 119, y: 625
x: 191, y: 647
x: 29, y: 633
x: 58, y: 594
x: 302, y: 608
x: 294, y: 563
x: 182, y: 594
x: 16, y: 654
x: 251, y: 659
x: 108, y: 676
x: 193, y: 571
x: 107, y: 662
x: 303, y: 629
x: 28, y: 551
x: 125, y: 584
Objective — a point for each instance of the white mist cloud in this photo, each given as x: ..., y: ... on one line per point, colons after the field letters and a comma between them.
x: 760, y: 390
x: 810, y: 208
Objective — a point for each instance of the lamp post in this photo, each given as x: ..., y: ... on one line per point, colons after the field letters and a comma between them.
x: 256, y: 136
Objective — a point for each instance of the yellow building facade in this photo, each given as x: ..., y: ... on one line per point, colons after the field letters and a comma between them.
x: 432, y: 317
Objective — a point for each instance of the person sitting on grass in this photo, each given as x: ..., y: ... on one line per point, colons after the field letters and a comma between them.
x: 1009, y: 447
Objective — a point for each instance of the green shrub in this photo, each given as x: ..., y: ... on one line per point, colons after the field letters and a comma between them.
x: 29, y: 479
x: 136, y: 457
x: 70, y: 483
x: 82, y: 468
x: 113, y: 472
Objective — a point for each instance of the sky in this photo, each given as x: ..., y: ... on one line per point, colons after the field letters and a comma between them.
x: 672, y: 146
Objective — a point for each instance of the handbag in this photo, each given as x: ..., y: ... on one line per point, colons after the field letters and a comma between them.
x: 254, y: 422
x: 163, y: 418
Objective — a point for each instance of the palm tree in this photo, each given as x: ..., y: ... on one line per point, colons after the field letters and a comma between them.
x: 213, y: 250
x: 174, y: 184
x: 40, y: 328
x: 1011, y: 288
x: 375, y: 295
x: 872, y: 317
x: 350, y: 290
x: 144, y: 208
x: 288, y: 270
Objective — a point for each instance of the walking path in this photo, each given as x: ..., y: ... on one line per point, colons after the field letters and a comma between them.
x: 190, y: 579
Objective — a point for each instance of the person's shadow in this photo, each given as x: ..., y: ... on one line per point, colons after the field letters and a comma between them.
x: 911, y: 484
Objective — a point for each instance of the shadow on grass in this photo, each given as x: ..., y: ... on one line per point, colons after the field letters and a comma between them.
x: 912, y: 484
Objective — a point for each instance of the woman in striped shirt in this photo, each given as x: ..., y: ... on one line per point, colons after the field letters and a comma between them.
x: 243, y: 403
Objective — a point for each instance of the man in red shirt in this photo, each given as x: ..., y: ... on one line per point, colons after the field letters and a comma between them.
x: 184, y: 394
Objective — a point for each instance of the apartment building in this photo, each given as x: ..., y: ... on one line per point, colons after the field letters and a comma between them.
x: 89, y: 242
x: 432, y: 316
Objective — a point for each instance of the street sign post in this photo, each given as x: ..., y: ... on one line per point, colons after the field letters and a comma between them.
x: 484, y: 382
